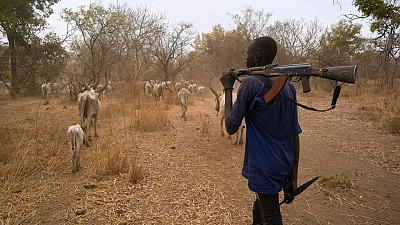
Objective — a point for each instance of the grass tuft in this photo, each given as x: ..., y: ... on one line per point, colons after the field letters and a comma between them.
x: 110, y: 159
x: 337, y: 181
x: 151, y: 118
x: 135, y: 172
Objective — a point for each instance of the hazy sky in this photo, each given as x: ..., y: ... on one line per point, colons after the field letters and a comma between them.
x: 204, y: 14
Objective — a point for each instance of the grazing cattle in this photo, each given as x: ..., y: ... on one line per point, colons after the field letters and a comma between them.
x: 148, y: 88
x: 158, y: 91
x: 89, y: 108
x: 56, y: 87
x: 75, y: 137
x: 183, y: 96
x: 200, y: 90
x: 220, y: 108
x: 192, y: 88
x: 109, y: 86
x: 46, y: 89
x: 103, y: 93
x: 178, y: 86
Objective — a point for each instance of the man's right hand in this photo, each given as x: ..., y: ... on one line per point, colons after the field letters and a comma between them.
x: 228, y: 78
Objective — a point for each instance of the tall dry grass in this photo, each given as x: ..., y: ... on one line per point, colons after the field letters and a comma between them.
x: 136, y: 171
x: 204, y: 124
x: 381, y: 107
x: 151, y: 118
x: 125, y: 113
x: 33, y: 136
x: 32, y: 142
x: 391, y: 121
x: 381, y: 110
x: 111, y: 157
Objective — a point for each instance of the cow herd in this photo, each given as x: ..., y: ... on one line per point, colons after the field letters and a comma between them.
x: 157, y: 89
x: 185, y: 88
x: 89, y: 105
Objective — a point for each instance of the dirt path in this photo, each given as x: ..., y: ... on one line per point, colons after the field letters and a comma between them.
x: 192, y: 176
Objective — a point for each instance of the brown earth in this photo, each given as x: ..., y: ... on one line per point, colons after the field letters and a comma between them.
x: 191, y: 174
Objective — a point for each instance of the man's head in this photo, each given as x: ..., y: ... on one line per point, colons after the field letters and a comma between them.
x: 261, y: 51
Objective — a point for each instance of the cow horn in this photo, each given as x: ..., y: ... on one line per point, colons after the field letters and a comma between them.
x: 102, y: 89
x: 214, y: 92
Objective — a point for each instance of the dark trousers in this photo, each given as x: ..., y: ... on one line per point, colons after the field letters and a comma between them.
x: 266, y: 210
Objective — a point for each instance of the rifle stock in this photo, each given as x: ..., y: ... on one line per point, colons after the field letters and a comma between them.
x: 346, y: 74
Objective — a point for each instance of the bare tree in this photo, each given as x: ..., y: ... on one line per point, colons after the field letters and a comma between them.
x: 139, y: 33
x: 96, y: 26
x: 299, y: 39
x: 254, y: 22
x: 170, y: 50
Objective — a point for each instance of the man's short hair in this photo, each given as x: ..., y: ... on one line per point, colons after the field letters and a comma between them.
x: 267, y: 48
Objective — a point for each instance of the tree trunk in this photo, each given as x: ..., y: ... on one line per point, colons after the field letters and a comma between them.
x: 13, y: 62
x: 93, y: 69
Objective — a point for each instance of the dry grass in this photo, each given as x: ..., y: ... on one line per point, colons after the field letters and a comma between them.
x: 171, y: 97
x: 151, y: 118
x: 135, y: 171
x: 384, y: 112
x: 341, y: 188
x: 110, y: 158
x: 340, y: 182
x: 35, y: 141
x: 29, y: 147
x: 391, y: 122
x: 204, y: 124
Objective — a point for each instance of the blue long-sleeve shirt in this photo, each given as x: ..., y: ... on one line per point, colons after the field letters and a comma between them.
x: 270, y: 129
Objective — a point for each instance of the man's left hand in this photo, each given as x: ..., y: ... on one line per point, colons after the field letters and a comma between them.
x: 291, y: 185
x: 288, y: 190
x: 228, y: 78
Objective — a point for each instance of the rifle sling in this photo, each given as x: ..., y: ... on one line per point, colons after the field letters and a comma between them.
x: 271, y: 85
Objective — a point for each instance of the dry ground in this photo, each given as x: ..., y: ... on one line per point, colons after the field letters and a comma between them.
x: 190, y: 174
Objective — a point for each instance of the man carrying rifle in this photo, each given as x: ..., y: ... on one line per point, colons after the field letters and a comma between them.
x: 272, y: 142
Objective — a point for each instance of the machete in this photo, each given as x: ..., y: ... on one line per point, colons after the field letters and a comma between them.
x: 289, y: 197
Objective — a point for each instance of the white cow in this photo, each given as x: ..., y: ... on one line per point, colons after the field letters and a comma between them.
x: 193, y: 88
x: 158, y: 91
x: 101, y: 87
x: 183, y: 96
x: 75, y: 136
x: 178, y: 86
x: 89, y: 108
x: 200, y: 90
x: 109, y: 86
x: 220, y: 108
x: 46, y: 89
x: 148, y: 88
x: 56, y: 87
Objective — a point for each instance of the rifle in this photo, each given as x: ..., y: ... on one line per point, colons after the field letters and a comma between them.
x: 301, y: 72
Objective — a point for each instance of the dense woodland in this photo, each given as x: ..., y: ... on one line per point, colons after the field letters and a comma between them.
x: 120, y: 43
